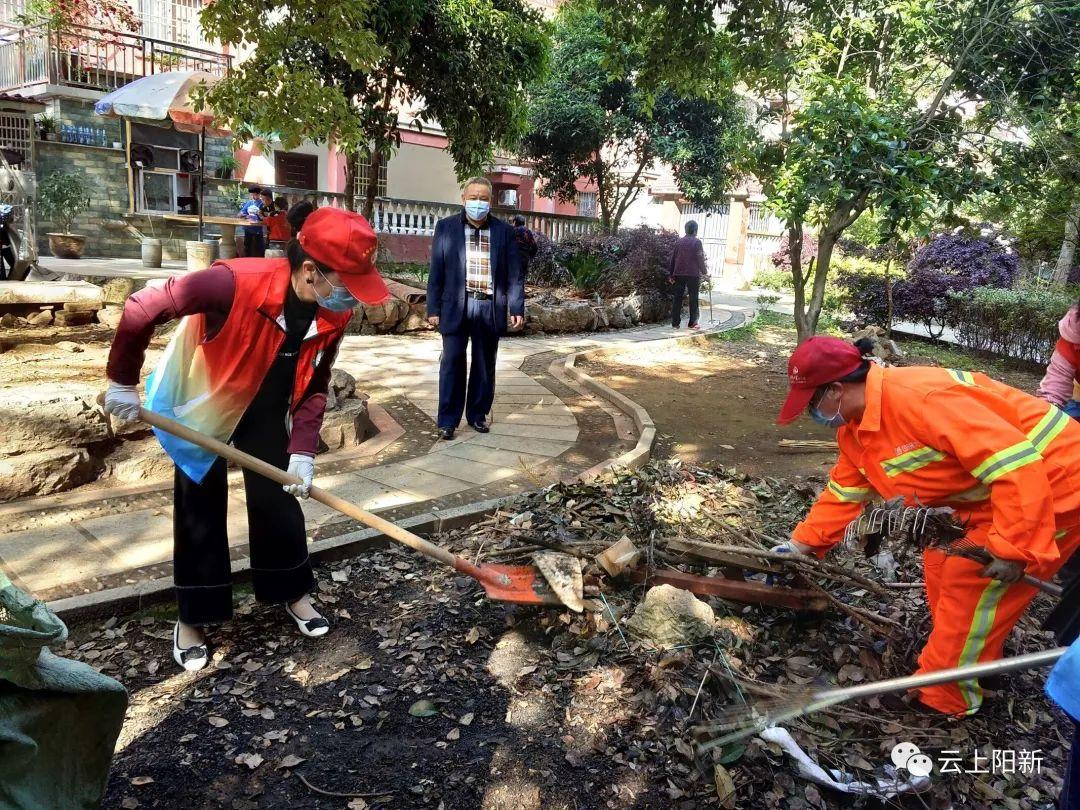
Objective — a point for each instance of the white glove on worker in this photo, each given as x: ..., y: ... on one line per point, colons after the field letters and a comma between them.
x: 791, y: 547
x: 122, y: 401
x: 1003, y: 570
x: 303, y: 467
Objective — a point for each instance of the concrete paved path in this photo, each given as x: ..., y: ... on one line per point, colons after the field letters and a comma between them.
x: 532, y: 427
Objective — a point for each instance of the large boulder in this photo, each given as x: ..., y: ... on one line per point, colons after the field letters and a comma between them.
x: 346, y: 426
x: 43, y: 472
x: 616, y: 315
x: 115, y: 291
x: 110, y: 316
x: 342, y: 384
x: 671, y: 617
x: 416, y: 320
x: 141, y: 461
x: 43, y: 417
x: 567, y: 316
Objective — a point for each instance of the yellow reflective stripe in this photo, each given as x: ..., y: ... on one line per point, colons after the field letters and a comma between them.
x: 850, y: 494
x: 1048, y: 428
x: 981, y: 624
x: 1060, y: 534
x: 913, y: 460
x: 1005, y: 461
x: 962, y: 377
x: 979, y: 492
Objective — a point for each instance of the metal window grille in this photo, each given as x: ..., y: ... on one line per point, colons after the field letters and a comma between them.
x: 363, y: 170
x: 16, y: 133
x: 586, y: 203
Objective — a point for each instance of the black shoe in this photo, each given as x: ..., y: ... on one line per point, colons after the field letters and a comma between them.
x: 446, y: 433
x: 480, y: 426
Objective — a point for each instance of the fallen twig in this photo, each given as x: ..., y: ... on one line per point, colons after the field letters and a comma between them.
x: 808, y: 562
x: 319, y: 790
x: 875, y: 620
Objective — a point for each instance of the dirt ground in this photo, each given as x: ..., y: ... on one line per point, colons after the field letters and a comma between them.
x: 715, y: 401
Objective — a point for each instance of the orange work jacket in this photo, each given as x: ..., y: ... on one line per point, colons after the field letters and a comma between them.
x: 1008, y: 462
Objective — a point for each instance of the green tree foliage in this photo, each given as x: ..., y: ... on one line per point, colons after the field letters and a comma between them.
x: 589, y: 119
x: 342, y: 70
x: 900, y: 106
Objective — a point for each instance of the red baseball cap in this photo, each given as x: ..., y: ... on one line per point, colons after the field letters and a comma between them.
x: 816, y: 362
x: 345, y: 242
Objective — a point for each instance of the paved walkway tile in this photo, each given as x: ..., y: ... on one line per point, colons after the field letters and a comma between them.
x: 134, y: 539
x: 474, y: 472
x: 54, y: 556
x: 539, y: 447
x: 565, y: 434
x: 493, y: 455
x: 422, y: 484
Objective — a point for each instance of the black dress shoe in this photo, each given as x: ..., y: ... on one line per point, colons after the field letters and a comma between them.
x: 446, y: 433
x: 480, y: 427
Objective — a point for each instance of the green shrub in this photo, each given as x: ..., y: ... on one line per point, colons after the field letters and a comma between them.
x: 1022, y: 324
x: 62, y: 196
x: 586, y: 271
x: 631, y: 260
x: 771, y: 278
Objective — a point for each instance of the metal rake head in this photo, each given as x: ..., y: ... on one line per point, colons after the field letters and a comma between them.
x: 893, y: 520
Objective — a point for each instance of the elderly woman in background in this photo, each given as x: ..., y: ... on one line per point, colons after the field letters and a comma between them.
x: 685, y: 271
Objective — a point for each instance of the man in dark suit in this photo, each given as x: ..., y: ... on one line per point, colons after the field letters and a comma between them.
x: 474, y: 281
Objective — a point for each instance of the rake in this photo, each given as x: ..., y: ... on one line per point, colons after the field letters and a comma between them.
x: 745, y: 721
x: 925, y: 527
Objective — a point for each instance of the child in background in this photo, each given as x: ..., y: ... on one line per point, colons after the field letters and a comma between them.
x: 278, y: 230
x: 251, y: 213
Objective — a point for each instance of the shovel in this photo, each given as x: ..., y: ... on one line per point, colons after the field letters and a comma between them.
x: 521, y: 584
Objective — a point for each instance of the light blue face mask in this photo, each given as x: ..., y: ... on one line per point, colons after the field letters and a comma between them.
x: 834, y: 421
x: 339, y: 300
x: 476, y: 210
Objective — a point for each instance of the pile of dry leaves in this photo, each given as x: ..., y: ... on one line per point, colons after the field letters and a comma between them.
x: 425, y: 694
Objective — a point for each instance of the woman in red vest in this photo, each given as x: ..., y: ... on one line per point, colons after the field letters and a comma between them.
x: 250, y: 364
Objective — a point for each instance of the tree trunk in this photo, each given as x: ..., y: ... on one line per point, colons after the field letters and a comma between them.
x: 350, y: 180
x: 1068, y: 246
x: 372, y: 190
x: 888, y: 298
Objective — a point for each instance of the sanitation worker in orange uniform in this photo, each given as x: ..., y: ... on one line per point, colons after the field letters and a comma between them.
x: 1007, y: 462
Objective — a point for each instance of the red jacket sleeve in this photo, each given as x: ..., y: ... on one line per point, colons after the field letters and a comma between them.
x: 308, y: 417
x: 208, y: 291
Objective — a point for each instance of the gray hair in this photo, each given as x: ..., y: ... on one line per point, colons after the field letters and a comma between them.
x: 691, y: 227
x: 478, y: 181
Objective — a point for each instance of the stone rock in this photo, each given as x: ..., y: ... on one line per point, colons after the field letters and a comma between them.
x: 42, y: 318
x: 600, y: 318
x: 416, y: 320
x: 38, y: 417
x: 346, y: 426
x: 570, y: 316
x: 138, y: 462
x: 883, y: 347
x: 9, y: 321
x: 616, y: 315
x: 68, y: 318
x: 342, y: 383
x: 116, y: 290
x: 110, y: 316
x: 81, y: 306
x: 69, y: 346
x: 633, y: 309
x: 671, y: 617
x: 43, y: 472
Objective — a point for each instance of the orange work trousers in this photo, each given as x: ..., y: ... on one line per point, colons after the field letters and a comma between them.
x: 972, y: 617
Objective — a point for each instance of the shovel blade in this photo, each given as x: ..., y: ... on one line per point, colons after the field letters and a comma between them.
x: 521, y: 584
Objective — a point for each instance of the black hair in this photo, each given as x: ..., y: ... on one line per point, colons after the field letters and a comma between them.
x: 254, y: 190
x: 281, y: 203
x: 519, y: 219
x: 296, y: 217
x: 266, y: 193
x: 865, y: 346
x: 691, y: 228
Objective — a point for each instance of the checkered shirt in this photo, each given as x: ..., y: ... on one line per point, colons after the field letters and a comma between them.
x: 478, y: 259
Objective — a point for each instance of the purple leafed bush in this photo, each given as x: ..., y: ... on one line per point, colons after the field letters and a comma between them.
x: 950, y: 264
x: 781, y: 259
x: 632, y: 260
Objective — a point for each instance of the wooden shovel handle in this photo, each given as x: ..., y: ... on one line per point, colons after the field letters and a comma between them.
x: 263, y: 468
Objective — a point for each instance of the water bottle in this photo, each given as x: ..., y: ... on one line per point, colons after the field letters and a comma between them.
x: 80, y: 135
x: 65, y: 133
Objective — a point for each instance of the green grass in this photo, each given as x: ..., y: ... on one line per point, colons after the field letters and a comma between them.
x: 958, y: 358
x: 751, y: 329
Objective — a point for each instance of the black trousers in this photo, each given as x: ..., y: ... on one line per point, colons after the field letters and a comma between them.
x: 280, y: 567
x: 685, y: 284
x: 254, y: 245
x: 474, y: 399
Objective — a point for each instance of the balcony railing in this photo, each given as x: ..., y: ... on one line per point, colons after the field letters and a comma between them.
x: 418, y: 218
x: 92, y: 59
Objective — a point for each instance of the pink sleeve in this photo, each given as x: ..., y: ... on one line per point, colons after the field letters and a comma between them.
x: 1057, y: 384
x: 208, y: 291
x: 308, y: 417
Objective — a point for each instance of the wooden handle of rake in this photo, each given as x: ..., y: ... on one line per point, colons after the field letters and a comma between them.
x: 268, y: 470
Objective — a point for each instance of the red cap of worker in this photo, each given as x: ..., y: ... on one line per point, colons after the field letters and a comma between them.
x: 816, y: 362
x: 345, y: 242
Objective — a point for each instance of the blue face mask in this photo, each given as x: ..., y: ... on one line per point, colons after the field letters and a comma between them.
x: 476, y: 210
x: 834, y: 421
x: 339, y: 300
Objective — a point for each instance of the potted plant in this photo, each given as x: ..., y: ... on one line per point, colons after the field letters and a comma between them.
x: 62, y: 196
x: 46, y: 127
x: 227, y: 166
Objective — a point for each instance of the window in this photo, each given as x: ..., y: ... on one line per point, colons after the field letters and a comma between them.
x: 363, y: 171
x: 586, y: 203
x: 157, y: 192
x: 294, y: 170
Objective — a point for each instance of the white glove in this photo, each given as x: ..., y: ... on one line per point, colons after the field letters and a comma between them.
x: 122, y: 401
x: 303, y: 467
x: 1003, y: 570
x: 790, y: 547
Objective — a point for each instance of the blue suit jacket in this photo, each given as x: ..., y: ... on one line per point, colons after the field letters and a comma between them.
x: 446, y: 278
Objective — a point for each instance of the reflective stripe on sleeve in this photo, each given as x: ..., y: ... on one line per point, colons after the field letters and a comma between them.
x: 850, y: 494
x: 962, y: 377
x: 912, y: 460
x: 1048, y: 428
x: 1005, y: 461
